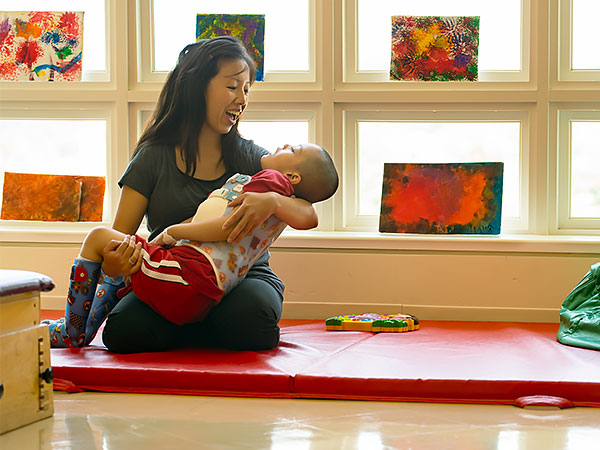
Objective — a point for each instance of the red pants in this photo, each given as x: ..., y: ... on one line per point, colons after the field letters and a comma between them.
x: 178, y: 283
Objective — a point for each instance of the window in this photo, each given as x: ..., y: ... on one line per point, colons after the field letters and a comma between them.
x: 578, y: 161
x: 503, y: 43
x: 289, y: 41
x: 274, y: 134
x: 579, y: 58
x: 585, y: 161
x: 442, y: 137
x: 69, y: 147
x: 585, y: 50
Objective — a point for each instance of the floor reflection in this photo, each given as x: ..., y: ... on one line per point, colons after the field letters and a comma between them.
x: 99, y: 421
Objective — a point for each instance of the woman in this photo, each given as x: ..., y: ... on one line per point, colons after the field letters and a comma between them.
x: 191, y: 147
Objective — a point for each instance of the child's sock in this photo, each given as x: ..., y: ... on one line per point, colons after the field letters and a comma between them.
x: 104, y: 302
x: 70, y: 331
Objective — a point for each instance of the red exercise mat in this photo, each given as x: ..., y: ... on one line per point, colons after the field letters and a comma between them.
x: 461, y: 362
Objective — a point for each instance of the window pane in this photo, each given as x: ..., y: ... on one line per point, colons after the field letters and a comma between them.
x: 499, y: 35
x: 286, y: 29
x: 585, y: 24
x: 436, y: 142
x: 585, y: 161
x: 267, y: 134
x: 53, y: 147
x: 94, y: 28
x: 271, y: 135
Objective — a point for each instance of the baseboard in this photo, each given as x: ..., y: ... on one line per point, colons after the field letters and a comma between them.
x: 53, y: 302
x: 306, y: 310
x: 323, y: 310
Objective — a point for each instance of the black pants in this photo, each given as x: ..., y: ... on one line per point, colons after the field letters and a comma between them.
x: 245, y: 319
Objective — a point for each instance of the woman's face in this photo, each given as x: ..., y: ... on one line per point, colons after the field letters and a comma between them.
x: 226, y: 96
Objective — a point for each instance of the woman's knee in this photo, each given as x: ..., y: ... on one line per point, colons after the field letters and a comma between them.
x: 247, y: 318
x: 134, y: 327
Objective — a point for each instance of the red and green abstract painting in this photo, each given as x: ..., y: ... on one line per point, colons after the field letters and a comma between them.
x: 455, y: 198
x: 248, y: 28
x: 41, y: 46
x: 432, y: 48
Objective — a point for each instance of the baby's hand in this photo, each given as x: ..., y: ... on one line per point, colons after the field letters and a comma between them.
x: 164, y: 239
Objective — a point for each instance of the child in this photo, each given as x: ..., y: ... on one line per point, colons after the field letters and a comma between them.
x: 189, y: 267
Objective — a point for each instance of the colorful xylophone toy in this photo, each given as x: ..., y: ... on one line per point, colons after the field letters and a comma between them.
x: 378, y: 323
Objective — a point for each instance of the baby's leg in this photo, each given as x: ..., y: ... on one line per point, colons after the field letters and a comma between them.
x: 75, y: 330
x: 70, y: 330
x: 96, y: 240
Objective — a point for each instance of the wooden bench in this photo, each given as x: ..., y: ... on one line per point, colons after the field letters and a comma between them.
x: 25, y: 372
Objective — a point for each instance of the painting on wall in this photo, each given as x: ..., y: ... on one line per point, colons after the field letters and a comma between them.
x: 41, y: 46
x: 432, y: 48
x: 455, y: 198
x: 249, y: 28
x: 52, y: 198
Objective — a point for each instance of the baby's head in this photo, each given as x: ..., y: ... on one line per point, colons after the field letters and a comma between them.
x: 309, y: 168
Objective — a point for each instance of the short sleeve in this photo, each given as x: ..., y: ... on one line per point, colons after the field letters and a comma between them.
x: 270, y: 181
x: 140, y: 175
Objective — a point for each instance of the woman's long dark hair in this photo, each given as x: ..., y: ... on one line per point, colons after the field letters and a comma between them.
x: 181, y: 108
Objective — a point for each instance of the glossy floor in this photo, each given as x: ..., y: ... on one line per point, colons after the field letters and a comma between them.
x: 126, y: 421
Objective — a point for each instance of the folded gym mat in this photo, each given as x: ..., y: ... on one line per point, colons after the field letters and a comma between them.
x: 470, y: 362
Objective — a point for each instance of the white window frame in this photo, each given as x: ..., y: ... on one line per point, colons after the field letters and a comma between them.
x: 145, y: 21
x: 352, y: 221
x: 561, y: 200
x: 351, y: 74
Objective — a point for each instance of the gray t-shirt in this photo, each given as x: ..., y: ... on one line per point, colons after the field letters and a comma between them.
x: 174, y: 196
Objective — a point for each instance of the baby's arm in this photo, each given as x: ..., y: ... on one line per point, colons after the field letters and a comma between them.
x: 207, y: 230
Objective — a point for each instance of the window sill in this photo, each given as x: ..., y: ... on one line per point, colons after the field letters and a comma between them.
x: 347, y: 240
x: 386, y: 242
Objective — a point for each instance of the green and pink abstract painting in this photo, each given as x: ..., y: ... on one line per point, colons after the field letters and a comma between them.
x: 455, y: 198
x: 431, y: 48
x: 41, y: 46
x: 248, y: 28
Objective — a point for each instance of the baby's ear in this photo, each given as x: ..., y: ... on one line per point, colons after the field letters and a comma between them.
x: 293, y: 176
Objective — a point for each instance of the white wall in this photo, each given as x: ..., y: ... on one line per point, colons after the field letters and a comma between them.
x: 432, y: 284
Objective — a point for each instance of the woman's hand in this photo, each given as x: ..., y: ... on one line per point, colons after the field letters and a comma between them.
x: 122, y: 258
x: 251, y: 209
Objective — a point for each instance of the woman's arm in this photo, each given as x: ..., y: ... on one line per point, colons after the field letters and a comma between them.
x: 130, y: 211
x: 253, y: 208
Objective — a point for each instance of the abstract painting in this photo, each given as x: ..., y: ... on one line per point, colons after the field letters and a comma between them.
x: 52, y: 198
x: 248, y: 28
x: 455, y: 198
x: 431, y: 48
x: 41, y: 46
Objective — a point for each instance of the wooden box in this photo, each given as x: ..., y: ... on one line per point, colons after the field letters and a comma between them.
x: 25, y: 372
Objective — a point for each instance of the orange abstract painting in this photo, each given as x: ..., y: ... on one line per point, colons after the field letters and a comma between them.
x: 92, y: 198
x: 52, y: 198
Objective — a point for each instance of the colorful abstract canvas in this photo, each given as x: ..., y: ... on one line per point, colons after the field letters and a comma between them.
x: 431, y: 48
x: 41, y: 46
x: 249, y: 28
x: 457, y: 198
x: 52, y: 198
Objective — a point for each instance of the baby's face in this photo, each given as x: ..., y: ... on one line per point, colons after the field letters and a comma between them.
x: 289, y: 157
